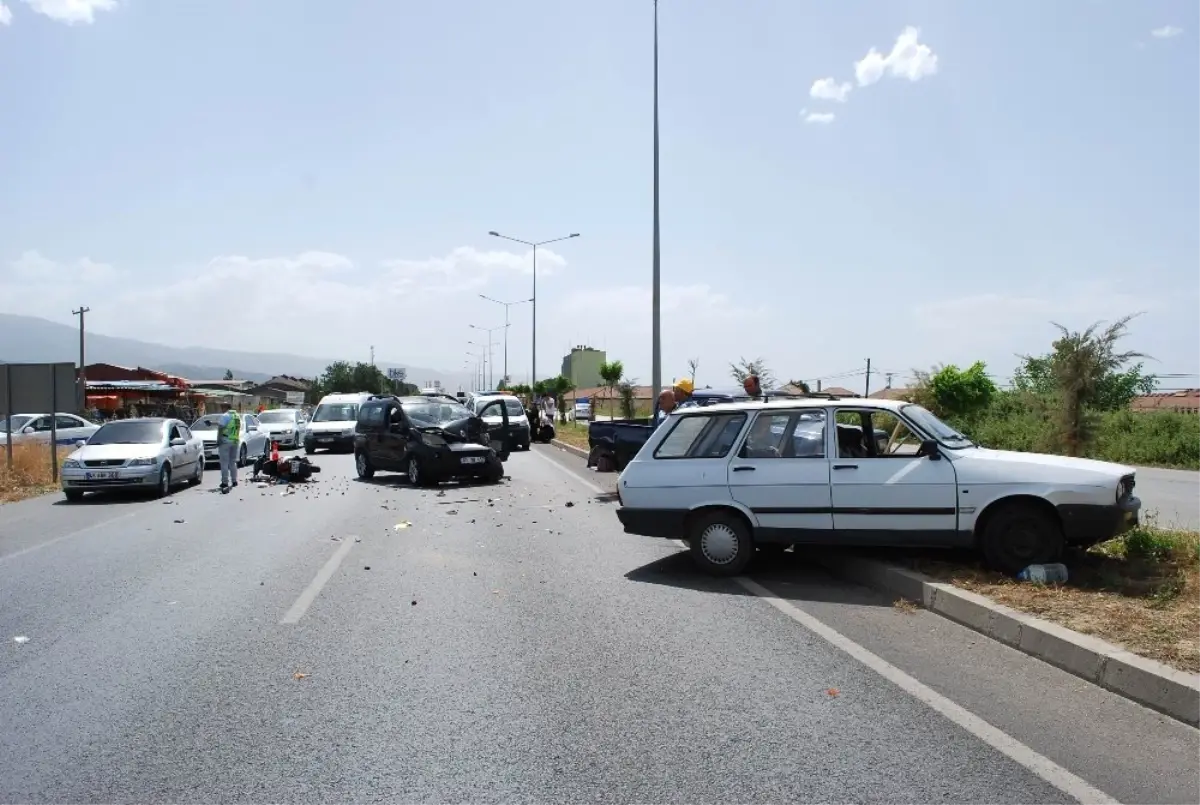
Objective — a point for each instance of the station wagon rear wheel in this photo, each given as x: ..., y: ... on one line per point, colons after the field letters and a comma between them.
x: 363, y: 465
x: 721, y: 544
x: 1020, y: 535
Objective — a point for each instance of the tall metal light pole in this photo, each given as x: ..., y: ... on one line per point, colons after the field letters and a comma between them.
x: 478, y: 370
x: 534, y: 245
x: 656, y: 294
x: 81, y: 313
x: 491, y: 363
x: 507, y: 305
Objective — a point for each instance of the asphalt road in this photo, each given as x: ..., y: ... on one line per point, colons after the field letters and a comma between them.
x: 512, y: 644
x: 1170, y: 497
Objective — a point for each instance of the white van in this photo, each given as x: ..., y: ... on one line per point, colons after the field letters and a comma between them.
x: 737, y: 477
x: 333, y: 421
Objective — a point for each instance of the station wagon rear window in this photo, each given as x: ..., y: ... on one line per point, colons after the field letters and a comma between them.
x: 701, y: 436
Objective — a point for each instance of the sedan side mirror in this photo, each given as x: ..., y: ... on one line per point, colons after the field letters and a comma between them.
x: 178, y: 442
x: 28, y: 429
x: 251, y: 428
x: 929, y: 449
x: 80, y: 442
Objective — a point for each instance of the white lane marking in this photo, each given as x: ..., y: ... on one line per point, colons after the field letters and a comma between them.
x: 568, y: 472
x: 317, y: 584
x: 50, y: 542
x: 1008, y: 746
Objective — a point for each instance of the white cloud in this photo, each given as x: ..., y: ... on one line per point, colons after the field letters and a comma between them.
x: 5, y: 15
x: 828, y: 89
x: 71, y: 12
x: 819, y: 117
x: 1166, y: 32
x: 908, y: 59
x: 467, y: 268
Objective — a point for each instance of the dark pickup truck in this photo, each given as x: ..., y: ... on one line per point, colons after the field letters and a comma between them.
x: 613, y: 443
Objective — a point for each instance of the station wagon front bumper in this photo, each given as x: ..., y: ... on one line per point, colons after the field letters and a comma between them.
x: 666, y: 523
x: 1090, y: 524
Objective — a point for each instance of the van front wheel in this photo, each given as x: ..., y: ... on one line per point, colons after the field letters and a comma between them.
x: 721, y: 544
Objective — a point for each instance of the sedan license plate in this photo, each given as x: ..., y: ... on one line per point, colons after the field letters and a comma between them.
x: 100, y: 476
x: 472, y: 460
x: 325, y: 439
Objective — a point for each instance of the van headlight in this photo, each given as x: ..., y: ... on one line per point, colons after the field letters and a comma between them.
x: 433, y: 440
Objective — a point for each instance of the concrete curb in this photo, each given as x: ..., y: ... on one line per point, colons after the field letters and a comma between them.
x: 1157, y: 686
x: 570, y: 448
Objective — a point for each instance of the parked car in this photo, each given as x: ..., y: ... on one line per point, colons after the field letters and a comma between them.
x: 284, y: 426
x: 431, y: 440
x: 519, y: 433
x: 583, y: 410
x: 252, y: 444
x: 68, y: 428
x: 151, y: 454
x: 735, y: 477
x: 332, y: 423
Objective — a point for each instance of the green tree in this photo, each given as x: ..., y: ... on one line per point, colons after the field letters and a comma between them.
x: 1085, y: 372
x: 558, y: 388
x: 744, y: 368
x: 628, y: 402
x: 611, y: 373
x: 962, y: 394
x: 229, y: 374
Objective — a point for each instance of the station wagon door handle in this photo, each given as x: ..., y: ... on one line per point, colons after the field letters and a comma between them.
x: 845, y: 466
x: 743, y: 469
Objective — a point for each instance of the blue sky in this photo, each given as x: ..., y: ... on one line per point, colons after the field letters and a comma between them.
x: 181, y: 166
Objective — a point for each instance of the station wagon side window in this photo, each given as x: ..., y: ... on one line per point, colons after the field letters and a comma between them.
x: 786, y: 434
x: 701, y: 436
x: 874, y: 433
x: 371, y: 415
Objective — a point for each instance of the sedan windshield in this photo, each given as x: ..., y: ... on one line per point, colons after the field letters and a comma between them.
x: 931, y: 425
x: 277, y: 417
x: 336, y: 412
x: 433, y: 414
x: 8, y: 425
x: 210, y: 422
x: 128, y: 432
x: 511, y: 403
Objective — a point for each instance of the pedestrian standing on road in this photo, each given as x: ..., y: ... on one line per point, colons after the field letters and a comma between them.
x: 229, y: 439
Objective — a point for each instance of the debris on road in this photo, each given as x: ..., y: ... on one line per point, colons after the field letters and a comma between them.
x: 834, y: 692
x: 20, y: 640
x: 366, y: 567
x: 358, y: 539
x: 569, y: 504
x: 179, y: 521
x: 402, y: 525
x: 299, y: 675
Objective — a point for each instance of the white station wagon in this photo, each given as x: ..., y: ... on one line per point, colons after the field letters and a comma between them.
x: 735, y: 477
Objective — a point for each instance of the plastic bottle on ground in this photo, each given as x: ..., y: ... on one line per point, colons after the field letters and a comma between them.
x: 1044, y: 574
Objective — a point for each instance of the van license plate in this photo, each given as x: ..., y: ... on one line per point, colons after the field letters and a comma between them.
x: 101, y: 476
x: 473, y: 460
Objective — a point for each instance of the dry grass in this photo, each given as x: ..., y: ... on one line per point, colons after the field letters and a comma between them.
x: 573, y: 433
x: 1140, y: 591
x: 30, y: 475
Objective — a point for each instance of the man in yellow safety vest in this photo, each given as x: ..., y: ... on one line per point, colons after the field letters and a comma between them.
x: 229, y: 442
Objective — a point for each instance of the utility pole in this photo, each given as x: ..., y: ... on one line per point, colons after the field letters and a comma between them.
x: 372, y: 354
x: 889, y: 376
x: 81, y: 313
x: 655, y: 318
x: 867, y: 391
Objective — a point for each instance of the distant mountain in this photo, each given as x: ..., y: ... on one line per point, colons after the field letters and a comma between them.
x: 25, y: 339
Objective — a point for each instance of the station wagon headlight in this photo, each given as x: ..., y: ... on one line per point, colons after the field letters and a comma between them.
x: 71, y: 464
x: 143, y: 462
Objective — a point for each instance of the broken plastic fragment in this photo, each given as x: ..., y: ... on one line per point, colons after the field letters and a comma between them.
x: 20, y: 639
x: 833, y: 691
x: 401, y: 525
x: 299, y: 675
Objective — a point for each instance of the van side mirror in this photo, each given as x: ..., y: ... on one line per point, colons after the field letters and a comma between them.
x: 177, y: 442
x: 929, y: 449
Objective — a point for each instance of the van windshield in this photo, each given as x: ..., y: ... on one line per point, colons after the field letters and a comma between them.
x: 336, y: 412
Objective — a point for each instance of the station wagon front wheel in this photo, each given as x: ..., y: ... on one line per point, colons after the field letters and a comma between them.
x: 721, y: 544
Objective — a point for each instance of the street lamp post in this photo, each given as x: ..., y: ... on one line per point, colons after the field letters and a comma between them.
x: 507, y: 305
x: 486, y: 351
x: 492, y: 363
x: 534, y: 245
x: 656, y: 298
x: 479, y: 364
